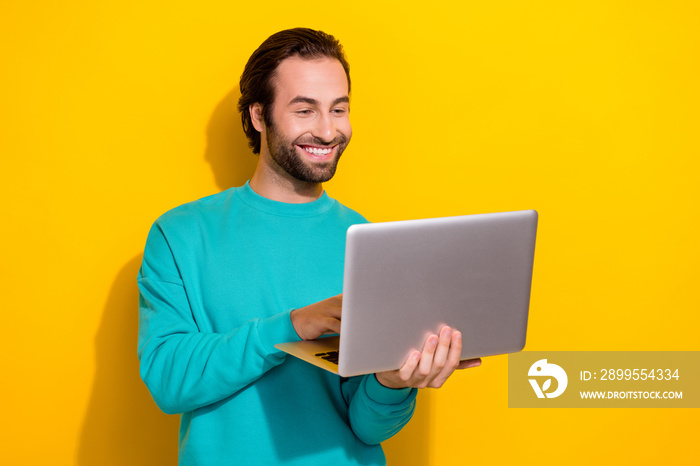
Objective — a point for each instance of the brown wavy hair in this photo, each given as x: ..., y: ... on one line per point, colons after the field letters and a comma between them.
x: 256, y: 80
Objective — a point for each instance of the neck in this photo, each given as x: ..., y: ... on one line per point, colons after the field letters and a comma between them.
x: 278, y: 185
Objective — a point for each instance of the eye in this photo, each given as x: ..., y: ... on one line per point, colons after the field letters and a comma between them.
x: 304, y: 112
x: 340, y: 111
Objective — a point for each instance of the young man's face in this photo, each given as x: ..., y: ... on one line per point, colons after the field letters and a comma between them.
x: 310, y: 124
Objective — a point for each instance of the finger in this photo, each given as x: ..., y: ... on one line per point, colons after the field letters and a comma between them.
x: 332, y: 325
x: 455, y: 349
x: 409, y: 367
x: 334, y: 312
x: 426, y: 358
x: 335, y: 306
x: 444, y: 349
x: 451, y: 361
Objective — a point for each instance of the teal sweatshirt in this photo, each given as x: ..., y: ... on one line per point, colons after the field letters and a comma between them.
x: 219, y: 279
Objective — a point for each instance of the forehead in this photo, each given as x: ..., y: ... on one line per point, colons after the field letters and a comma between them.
x: 322, y: 79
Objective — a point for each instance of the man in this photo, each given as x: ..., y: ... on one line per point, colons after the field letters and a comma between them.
x: 226, y: 277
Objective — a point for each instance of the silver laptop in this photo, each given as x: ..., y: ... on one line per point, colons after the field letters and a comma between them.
x: 405, y: 280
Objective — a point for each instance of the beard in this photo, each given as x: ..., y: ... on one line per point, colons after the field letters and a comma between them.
x: 284, y: 153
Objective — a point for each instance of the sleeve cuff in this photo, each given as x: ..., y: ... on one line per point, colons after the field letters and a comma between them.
x: 277, y: 329
x: 384, y: 395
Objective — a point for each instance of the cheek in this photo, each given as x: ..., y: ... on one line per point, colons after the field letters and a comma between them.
x: 345, y: 127
x: 293, y: 128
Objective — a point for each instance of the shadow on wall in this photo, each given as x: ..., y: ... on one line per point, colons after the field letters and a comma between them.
x: 231, y: 160
x: 123, y: 424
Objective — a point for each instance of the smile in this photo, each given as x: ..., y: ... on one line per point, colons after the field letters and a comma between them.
x: 317, y: 150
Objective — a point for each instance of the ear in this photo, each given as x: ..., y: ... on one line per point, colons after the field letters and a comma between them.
x: 256, y: 116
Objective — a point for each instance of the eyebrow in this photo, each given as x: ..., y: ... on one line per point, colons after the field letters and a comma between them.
x: 308, y: 100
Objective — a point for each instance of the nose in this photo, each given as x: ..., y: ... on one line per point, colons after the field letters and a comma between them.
x: 324, y: 128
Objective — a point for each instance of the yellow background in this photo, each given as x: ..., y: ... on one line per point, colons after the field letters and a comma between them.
x: 113, y: 112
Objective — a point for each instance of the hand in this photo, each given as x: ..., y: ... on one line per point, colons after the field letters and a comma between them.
x: 314, y: 320
x: 432, y: 367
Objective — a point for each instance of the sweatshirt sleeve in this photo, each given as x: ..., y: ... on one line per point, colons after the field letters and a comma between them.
x: 376, y: 412
x: 184, y: 368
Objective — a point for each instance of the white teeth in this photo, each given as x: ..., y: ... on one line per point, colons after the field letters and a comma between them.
x: 315, y: 151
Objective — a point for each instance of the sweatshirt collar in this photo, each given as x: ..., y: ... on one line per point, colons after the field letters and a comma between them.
x: 306, y: 209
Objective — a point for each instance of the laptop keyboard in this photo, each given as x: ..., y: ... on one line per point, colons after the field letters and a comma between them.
x: 330, y: 356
